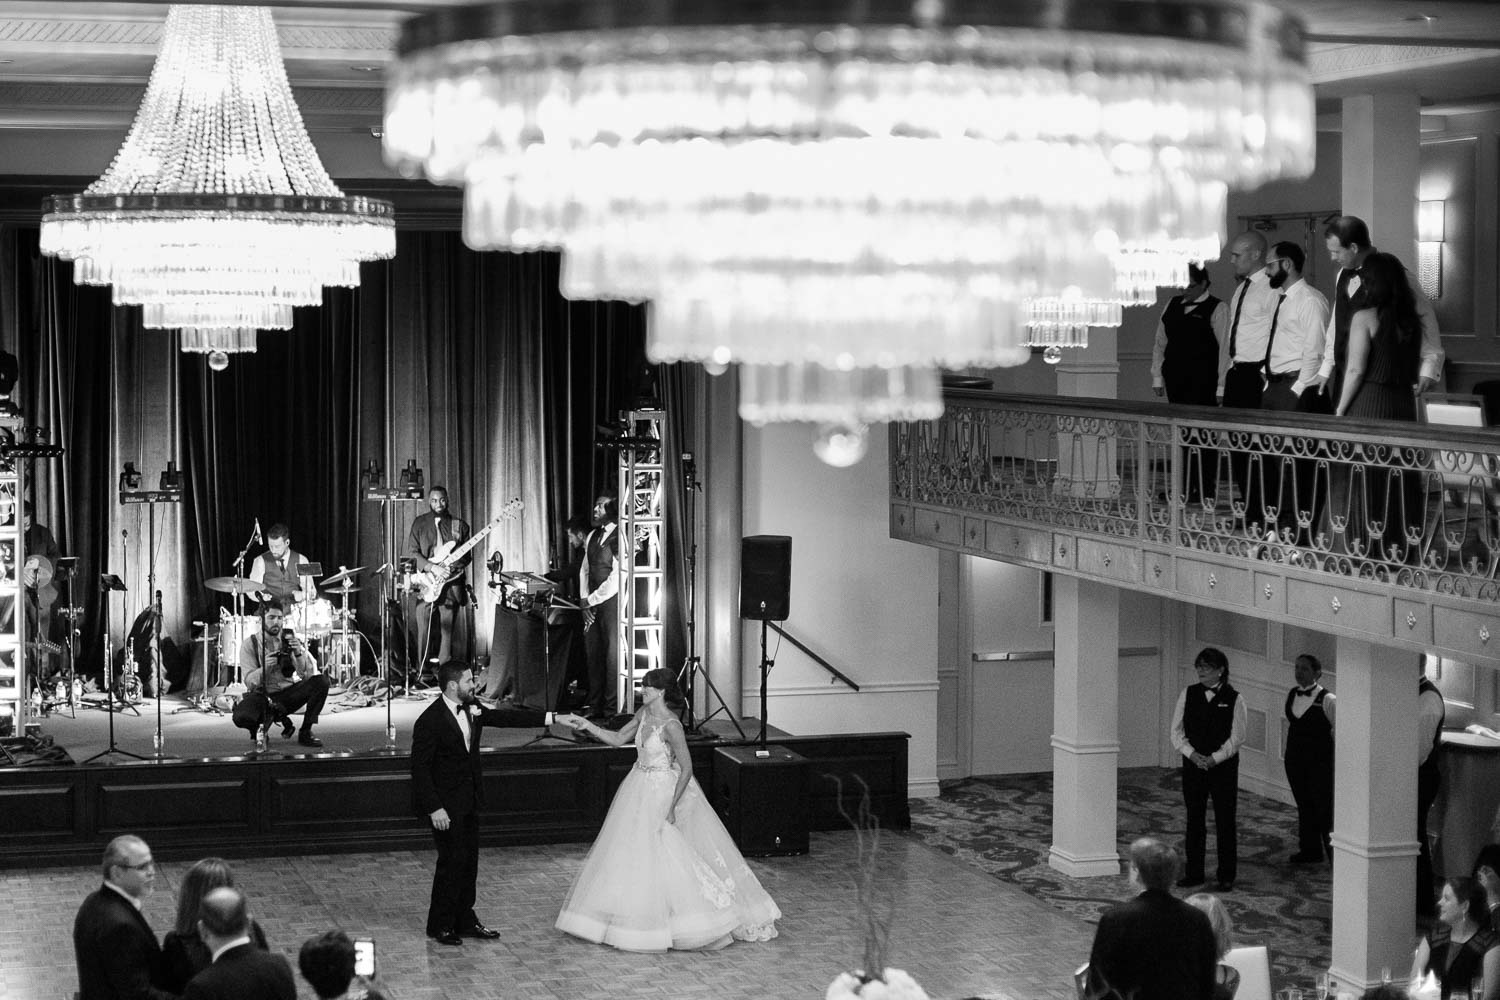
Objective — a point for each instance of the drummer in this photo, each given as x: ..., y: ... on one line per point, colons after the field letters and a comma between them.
x: 276, y: 569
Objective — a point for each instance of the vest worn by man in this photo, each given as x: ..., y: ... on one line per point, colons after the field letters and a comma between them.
x: 1312, y: 733
x: 1207, y: 722
x: 600, y: 556
x: 1192, y: 347
x: 1437, y: 734
x: 280, y: 580
x: 1343, y: 311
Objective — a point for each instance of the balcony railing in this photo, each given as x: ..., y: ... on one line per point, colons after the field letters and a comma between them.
x: 1388, y: 508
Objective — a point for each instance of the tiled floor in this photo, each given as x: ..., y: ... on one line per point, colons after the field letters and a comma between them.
x: 960, y: 932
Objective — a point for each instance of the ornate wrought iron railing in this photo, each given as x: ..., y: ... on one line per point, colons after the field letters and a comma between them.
x: 1396, y: 509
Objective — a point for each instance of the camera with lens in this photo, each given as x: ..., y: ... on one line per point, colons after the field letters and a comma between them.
x: 284, y: 656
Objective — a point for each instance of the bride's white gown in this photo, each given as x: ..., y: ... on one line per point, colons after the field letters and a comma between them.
x: 648, y: 885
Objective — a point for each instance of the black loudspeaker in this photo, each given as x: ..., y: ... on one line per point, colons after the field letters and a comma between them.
x: 766, y: 577
x: 762, y: 800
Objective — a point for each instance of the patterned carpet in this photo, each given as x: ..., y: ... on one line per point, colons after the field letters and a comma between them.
x: 1003, y: 825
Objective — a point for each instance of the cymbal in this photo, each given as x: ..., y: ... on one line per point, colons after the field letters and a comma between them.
x: 341, y: 589
x: 342, y: 574
x: 236, y: 585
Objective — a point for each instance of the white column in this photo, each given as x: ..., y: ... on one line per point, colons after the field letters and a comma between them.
x: 1374, y: 812
x: 1381, y: 146
x: 1085, y: 727
x: 721, y: 462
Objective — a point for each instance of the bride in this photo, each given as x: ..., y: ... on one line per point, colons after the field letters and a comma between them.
x: 663, y: 872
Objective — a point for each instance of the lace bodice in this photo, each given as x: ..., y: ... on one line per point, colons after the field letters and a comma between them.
x: 652, y: 751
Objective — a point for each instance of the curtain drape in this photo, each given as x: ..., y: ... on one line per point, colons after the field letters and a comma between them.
x: 472, y: 365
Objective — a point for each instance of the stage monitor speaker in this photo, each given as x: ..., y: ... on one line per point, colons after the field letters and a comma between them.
x: 766, y: 577
x: 762, y: 800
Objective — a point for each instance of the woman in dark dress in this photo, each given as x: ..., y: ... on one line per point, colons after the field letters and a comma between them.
x: 1461, y: 946
x: 1385, y: 337
x: 183, y: 953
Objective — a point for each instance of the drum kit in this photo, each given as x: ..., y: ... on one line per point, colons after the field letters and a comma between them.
x: 331, y: 629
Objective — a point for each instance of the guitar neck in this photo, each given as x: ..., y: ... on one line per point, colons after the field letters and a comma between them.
x: 505, y: 515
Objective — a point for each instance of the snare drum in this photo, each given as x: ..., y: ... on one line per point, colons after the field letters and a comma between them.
x: 311, y: 619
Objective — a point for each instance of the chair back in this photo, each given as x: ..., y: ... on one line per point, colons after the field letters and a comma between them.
x: 1454, y: 410
x: 1254, y: 966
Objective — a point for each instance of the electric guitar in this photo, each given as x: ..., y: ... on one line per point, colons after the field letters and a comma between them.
x: 429, y: 584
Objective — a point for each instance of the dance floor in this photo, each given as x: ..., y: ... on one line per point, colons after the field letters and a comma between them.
x: 958, y: 931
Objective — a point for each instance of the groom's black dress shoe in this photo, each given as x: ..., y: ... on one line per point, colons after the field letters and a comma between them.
x: 448, y: 937
x: 480, y: 931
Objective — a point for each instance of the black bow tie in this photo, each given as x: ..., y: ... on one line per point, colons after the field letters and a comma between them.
x: 1307, y: 690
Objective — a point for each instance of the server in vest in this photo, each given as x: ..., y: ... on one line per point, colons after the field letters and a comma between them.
x: 1208, y: 729
x: 1348, y: 241
x: 1309, y: 759
x: 437, y: 527
x: 276, y: 568
x: 1192, y: 339
x: 599, y: 583
x: 1432, y: 713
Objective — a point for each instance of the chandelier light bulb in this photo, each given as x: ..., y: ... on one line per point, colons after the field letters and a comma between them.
x: 842, y: 445
x: 218, y: 360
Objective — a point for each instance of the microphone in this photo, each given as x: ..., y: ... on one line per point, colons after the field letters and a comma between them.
x: 258, y: 539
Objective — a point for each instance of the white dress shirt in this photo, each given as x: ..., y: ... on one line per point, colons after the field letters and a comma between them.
x: 611, y: 584
x: 1255, y: 303
x: 1301, y: 326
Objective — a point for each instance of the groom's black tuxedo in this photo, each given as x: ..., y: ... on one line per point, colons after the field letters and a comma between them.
x: 446, y: 775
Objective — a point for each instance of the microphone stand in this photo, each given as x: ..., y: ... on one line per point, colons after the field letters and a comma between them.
x: 106, y: 584
x: 692, y: 665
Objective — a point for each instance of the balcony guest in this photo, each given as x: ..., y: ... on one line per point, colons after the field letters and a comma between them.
x: 1252, y: 310
x: 1309, y: 759
x: 1348, y: 242
x: 1293, y: 353
x: 1208, y: 729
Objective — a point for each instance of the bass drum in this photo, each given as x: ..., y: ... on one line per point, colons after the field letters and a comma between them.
x: 311, y: 619
x: 233, y: 631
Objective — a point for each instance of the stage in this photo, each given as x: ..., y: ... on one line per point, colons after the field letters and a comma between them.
x: 209, y: 793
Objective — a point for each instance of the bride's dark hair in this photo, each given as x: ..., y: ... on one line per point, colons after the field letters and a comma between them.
x: 665, y: 681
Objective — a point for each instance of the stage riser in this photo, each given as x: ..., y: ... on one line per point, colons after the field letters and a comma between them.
x: 239, y: 808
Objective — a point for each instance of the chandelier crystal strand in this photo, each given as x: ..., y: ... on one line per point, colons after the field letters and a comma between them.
x: 807, y: 190
x: 216, y: 214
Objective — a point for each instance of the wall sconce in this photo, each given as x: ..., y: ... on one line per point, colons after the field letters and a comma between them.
x: 1430, y: 237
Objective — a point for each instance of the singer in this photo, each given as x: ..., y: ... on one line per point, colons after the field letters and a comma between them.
x: 280, y: 678
x: 276, y: 569
x: 429, y: 531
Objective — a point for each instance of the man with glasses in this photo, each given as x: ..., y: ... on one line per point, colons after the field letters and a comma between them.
x: 1294, y: 352
x: 116, y: 949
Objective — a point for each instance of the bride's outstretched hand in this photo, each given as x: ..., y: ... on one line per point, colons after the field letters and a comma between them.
x: 672, y: 815
x: 572, y: 721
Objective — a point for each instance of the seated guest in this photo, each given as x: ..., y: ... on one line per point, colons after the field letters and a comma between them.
x: 183, y: 953
x: 327, y: 963
x: 1155, y: 945
x: 1226, y: 979
x: 239, y: 970
x: 1461, y: 944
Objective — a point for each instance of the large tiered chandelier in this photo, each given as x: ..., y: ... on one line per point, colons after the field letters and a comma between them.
x: 216, y: 216
x: 844, y: 197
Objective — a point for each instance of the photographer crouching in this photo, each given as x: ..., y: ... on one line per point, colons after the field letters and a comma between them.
x: 280, y: 676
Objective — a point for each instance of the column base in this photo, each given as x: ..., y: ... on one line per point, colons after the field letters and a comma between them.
x: 1087, y: 866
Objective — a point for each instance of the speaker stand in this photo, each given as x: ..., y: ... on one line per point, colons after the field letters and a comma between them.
x: 765, y: 670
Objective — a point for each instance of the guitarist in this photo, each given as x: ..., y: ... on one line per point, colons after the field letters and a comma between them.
x: 432, y: 529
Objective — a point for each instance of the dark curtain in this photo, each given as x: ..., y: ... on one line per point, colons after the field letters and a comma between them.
x: 61, y: 334
x: 274, y: 437
x: 681, y: 388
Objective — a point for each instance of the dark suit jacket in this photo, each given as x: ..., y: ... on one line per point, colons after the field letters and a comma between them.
x: 1155, y: 947
x: 443, y: 774
x: 244, y: 973
x: 118, y: 955
x: 183, y: 956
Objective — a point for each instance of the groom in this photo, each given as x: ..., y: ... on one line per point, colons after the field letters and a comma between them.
x: 447, y: 790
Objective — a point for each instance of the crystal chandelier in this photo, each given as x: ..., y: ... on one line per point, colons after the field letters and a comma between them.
x: 844, y: 198
x: 216, y: 215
